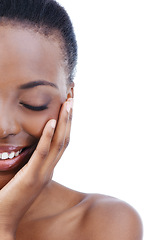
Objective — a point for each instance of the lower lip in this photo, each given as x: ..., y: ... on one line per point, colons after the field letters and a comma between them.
x: 22, y: 158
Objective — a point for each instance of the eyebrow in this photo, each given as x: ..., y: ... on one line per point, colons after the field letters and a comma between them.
x: 37, y: 83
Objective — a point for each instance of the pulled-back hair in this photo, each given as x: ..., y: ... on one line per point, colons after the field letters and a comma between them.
x: 47, y: 17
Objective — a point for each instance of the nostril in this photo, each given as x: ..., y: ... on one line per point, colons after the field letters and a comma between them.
x: 5, y: 134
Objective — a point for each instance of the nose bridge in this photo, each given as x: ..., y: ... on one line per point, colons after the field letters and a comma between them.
x: 9, y: 124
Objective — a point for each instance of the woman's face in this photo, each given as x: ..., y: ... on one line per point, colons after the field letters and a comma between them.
x: 27, y: 59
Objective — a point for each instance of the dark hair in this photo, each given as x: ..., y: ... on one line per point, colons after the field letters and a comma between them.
x: 47, y: 17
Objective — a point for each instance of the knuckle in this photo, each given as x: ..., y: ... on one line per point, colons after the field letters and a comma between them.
x: 70, y: 116
x: 42, y: 153
x: 60, y: 145
x: 66, y: 143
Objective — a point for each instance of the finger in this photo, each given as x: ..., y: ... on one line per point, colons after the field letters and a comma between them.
x: 42, y: 150
x: 27, y: 186
x: 59, y: 139
x: 27, y: 180
x: 66, y: 140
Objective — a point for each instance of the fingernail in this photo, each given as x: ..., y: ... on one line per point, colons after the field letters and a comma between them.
x: 53, y: 123
x: 69, y: 104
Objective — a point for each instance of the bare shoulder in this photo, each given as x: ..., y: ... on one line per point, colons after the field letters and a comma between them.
x: 108, y: 218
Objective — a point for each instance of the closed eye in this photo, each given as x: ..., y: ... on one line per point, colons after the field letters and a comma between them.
x: 34, y: 108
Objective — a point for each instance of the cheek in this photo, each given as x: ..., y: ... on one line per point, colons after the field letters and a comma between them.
x: 34, y: 122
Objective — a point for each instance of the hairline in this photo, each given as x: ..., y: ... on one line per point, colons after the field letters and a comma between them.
x: 51, y: 35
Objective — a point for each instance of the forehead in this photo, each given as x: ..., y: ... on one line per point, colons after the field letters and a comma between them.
x: 27, y: 53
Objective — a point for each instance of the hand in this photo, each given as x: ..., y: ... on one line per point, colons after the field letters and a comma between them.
x: 18, y: 195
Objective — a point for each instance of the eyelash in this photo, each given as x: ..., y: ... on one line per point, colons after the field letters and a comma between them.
x: 34, y: 108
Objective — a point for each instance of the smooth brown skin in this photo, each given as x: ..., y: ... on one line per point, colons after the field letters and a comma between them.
x: 32, y: 206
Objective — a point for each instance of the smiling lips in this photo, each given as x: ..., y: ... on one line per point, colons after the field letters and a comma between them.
x: 12, y: 157
x: 6, y: 155
x: 9, y: 152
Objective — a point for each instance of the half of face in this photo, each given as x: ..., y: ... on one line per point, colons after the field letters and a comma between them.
x: 32, y: 89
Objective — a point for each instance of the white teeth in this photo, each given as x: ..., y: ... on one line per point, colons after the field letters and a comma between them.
x: 6, y: 155
x: 11, y: 155
x: 17, y: 153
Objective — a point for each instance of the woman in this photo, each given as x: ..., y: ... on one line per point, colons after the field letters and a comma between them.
x: 38, y: 55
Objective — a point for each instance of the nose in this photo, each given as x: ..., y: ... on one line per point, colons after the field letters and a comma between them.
x: 9, y: 124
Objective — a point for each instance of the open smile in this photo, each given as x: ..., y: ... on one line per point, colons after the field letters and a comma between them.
x: 11, y: 159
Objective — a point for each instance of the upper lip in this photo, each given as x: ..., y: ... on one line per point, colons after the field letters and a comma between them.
x: 9, y: 148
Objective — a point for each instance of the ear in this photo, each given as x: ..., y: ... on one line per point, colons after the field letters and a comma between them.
x: 70, y: 90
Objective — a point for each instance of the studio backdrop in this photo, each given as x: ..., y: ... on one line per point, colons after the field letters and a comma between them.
x: 115, y: 139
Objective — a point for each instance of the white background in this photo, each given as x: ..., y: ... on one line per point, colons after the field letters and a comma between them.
x: 115, y: 140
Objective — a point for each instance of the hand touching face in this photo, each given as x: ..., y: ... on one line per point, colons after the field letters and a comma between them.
x: 18, y: 195
x: 33, y: 87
